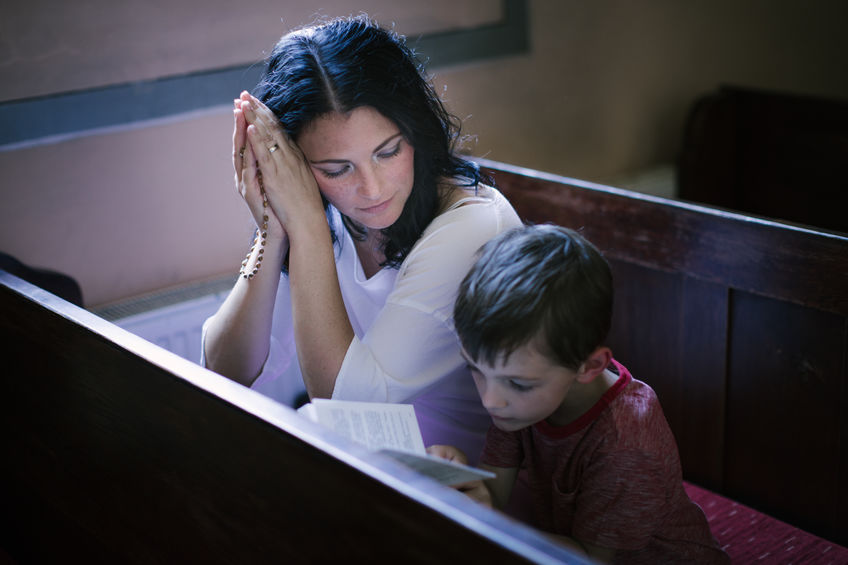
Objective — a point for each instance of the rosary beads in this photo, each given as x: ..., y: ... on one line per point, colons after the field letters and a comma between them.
x: 261, y: 234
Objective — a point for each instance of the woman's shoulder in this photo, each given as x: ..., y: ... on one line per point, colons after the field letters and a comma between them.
x: 483, y: 203
x: 473, y: 215
x: 431, y: 273
x: 456, y: 195
x: 469, y: 219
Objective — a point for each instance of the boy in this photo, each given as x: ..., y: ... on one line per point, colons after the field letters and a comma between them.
x: 603, y: 471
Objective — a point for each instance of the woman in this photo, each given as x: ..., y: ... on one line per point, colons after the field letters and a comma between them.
x: 345, y: 159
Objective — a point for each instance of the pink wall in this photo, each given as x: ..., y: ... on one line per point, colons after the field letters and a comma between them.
x: 605, y: 90
x: 127, y: 212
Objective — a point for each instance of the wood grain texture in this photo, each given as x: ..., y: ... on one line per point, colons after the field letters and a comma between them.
x: 121, y: 452
x: 770, y: 258
x: 739, y: 325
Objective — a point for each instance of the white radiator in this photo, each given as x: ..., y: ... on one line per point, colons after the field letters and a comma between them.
x: 171, y: 318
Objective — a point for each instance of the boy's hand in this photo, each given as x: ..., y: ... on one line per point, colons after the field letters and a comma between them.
x: 448, y: 452
x: 475, y: 490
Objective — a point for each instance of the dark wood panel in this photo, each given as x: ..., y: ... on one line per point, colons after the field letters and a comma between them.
x: 740, y: 381
x: 646, y: 322
x: 841, y: 523
x: 761, y: 256
x: 122, y: 452
x: 785, y: 382
x: 771, y: 154
x: 702, y: 365
x: 670, y: 331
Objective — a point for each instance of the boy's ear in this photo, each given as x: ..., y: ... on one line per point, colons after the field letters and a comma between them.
x: 594, y: 365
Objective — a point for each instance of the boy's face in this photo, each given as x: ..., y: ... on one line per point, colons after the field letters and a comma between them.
x: 526, y: 389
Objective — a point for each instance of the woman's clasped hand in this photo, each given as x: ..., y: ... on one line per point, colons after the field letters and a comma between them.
x: 274, y: 163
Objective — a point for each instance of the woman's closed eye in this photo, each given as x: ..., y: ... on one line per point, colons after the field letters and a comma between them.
x: 390, y: 153
x: 335, y: 173
x: 331, y: 174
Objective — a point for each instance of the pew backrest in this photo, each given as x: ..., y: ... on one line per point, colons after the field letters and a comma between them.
x: 740, y: 324
x: 118, y: 451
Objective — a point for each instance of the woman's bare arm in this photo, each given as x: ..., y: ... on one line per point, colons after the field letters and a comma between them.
x: 238, y: 335
x: 322, y: 329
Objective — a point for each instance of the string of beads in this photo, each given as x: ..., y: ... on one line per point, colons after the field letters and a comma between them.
x: 261, y: 234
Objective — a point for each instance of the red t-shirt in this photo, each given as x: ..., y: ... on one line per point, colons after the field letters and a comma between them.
x: 611, y: 478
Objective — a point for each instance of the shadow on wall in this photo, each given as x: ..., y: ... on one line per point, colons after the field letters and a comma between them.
x: 60, y: 284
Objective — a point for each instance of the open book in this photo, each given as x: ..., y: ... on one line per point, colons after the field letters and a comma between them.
x: 391, y: 429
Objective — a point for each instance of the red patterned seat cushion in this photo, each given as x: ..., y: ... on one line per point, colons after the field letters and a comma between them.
x: 749, y: 536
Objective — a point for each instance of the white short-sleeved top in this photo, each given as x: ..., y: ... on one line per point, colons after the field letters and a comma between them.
x: 405, y: 348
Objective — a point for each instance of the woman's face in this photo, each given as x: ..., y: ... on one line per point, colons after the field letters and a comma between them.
x: 363, y: 165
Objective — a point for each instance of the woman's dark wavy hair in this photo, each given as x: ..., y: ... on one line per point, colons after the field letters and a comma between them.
x: 347, y: 63
x: 541, y: 281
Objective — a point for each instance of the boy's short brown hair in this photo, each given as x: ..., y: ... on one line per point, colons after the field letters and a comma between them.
x: 536, y: 280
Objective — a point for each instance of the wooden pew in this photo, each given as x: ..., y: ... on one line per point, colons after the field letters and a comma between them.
x: 769, y: 153
x: 740, y: 324
x: 121, y: 451
x: 118, y: 451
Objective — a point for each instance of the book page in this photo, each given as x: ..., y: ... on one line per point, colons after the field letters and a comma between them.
x: 391, y: 429
x: 445, y: 471
x: 375, y: 425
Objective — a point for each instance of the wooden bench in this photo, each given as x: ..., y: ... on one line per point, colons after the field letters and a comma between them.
x: 768, y: 153
x: 749, y: 536
x: 117, y: 451
x: 121, y: 451
x: 740, y: 324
